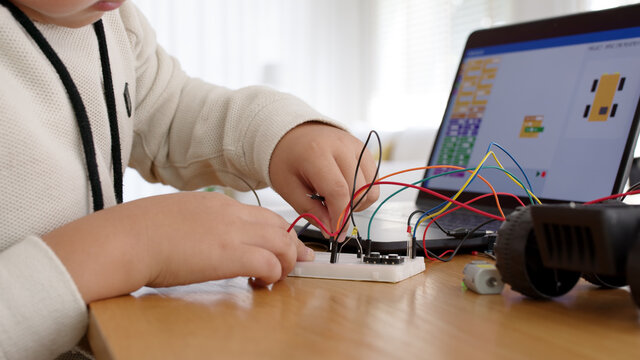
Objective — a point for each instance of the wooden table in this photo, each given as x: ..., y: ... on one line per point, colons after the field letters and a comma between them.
x: 428, y: 316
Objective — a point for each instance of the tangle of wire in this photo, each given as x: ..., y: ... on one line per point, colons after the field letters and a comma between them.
x: 350, y: 209
x: 472, y: 177
x: 355, y: 177
x: 470, y: 233
x: 512, y: 159
x: 438, y: 175
x: 448, y: 201
x: 344, y: 219
x: 351, y: 206
x: 424, y: 236
x: 430, y: 213
x: 529, y: 193
x: 428, y: 253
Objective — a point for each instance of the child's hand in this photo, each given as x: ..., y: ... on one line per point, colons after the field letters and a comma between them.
x: 316, y: 158
x: 175, y: 239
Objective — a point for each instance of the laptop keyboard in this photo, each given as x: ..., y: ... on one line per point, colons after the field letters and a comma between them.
x: 466, y: 220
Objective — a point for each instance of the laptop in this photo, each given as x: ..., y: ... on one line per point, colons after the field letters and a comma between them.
x: 561, y: 95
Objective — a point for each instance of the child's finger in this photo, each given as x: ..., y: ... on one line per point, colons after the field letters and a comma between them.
x: 265, y: 229
x: 304, y: 253
x: 329, y: 181
x: 258, y: 263
x: 276, y: 240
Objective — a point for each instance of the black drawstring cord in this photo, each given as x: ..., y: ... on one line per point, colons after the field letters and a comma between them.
x: 110, y: 100
x: 79, y: 108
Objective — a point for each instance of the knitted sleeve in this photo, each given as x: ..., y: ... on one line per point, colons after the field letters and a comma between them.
x: 41, y: 311
x: 189, y: 133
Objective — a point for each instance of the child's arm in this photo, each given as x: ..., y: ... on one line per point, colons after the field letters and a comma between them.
x: 173, y: 240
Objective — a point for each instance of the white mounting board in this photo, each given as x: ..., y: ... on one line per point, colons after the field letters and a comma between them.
x: 349, y: 267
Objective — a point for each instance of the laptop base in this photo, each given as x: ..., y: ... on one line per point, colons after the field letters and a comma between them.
x: 482, y: 243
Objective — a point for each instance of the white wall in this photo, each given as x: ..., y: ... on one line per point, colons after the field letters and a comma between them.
x: 382, y: 64
x: 363, y: 62
x: 311, y: 48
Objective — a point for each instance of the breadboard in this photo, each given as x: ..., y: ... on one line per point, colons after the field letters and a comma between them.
x: 349, y: 267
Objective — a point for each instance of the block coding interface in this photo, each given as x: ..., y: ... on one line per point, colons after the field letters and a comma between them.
x: 563, y: 107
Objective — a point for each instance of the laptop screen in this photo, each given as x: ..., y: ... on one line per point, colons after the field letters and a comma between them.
x: 564, y: 107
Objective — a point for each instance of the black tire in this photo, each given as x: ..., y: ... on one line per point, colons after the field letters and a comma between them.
x: 519, y: 262
x: 633, y: 272
x: 604, y: 281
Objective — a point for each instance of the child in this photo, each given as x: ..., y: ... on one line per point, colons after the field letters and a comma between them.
x: 80, y: 101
